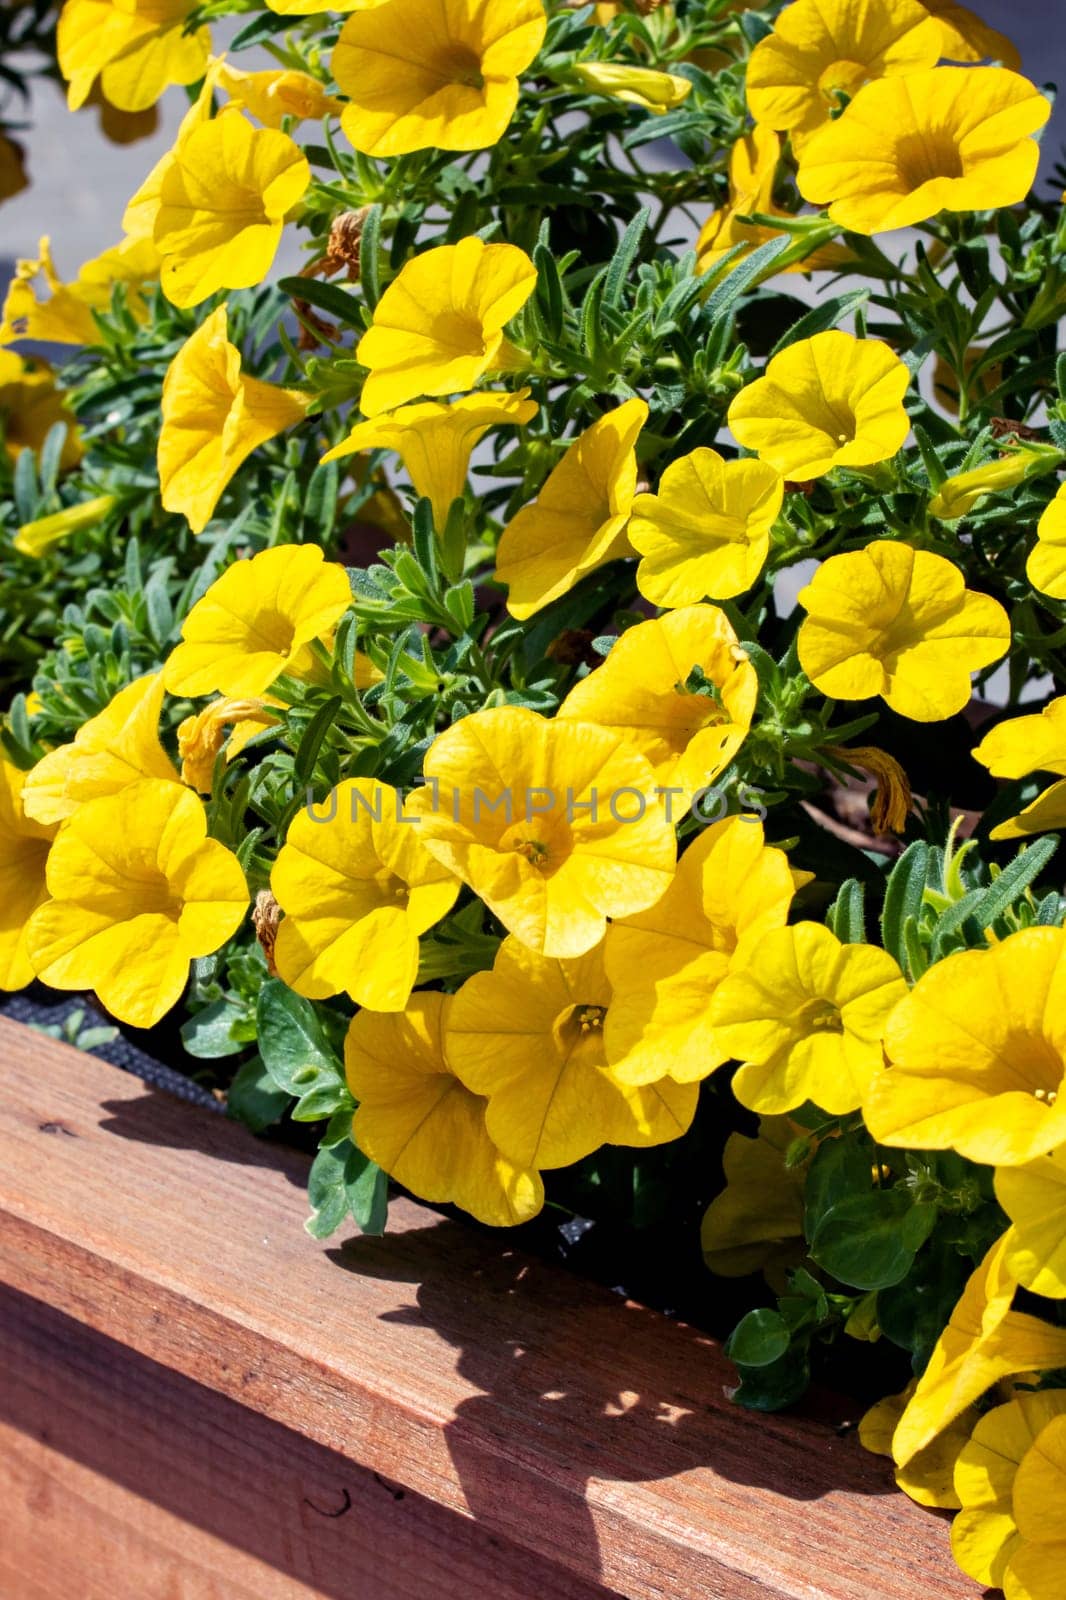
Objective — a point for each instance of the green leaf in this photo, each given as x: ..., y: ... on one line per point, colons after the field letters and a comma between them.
x: 845, y: 916
x: 209, y: 1034
x: 621, y: 265
x: 744, y: 276
x: 298, y: 1054
x: 830, y: 314
x: 344, y: 1183
x: 863, y: 1240
x: 758, y: 1338
x: 328, y: 297
x: 1013, y: 881
x: 904, y: 892
x: 254, y: 1098
x: 841, y: 1168
x: 311, y: 743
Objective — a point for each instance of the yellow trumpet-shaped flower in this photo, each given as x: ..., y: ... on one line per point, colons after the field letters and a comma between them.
x: 958, y: 495
x: 928, y: 1476
x: 272, y: 95
x: 438, y: 327
x: 644, y: 691
x: 1046, y: 566
x: 951, y: 139
x: 224, y: 724
x: 214, y: 417
x: 1034, y: 1198
x: 435, y: 440
x: 965, y: 37
x: 1002, y: 1479
x: 756, y: 1222
x: 898, y: 622
x: 830, y: 401
x: 357, y: 888
x: 578, y: 521
x: 529, y: 1036
x: 443, y: 77
x: 30, y: 406
x: 136, y: 48
x: 637, y: 86
x: 138, y: 892
x: 65, y: 317
x: 36, y: 538
x: 1022, y: 745
x: 117, y: 747
x: 256, y: 621
x: 421, y: 1124
x: 977, y: 1055
x: 553, y: 823
x: 24, y: 847
x: 1036, y: 1568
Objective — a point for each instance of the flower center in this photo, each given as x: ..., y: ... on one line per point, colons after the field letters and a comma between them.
x: 924, y: 157
x: 462, y: 65
x: 580, y: 1028
x: 820, y: 1016
x: 274, y: 631
x: 842, y: 79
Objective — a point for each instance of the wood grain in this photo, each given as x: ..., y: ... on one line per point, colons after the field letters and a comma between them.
x: 207, y: 1361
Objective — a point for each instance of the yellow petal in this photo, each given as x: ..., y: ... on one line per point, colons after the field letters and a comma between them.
x: 24, y: 846
x: 1034, y: 1198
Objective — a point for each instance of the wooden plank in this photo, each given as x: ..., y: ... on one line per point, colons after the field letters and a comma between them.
x: 589, y: 1433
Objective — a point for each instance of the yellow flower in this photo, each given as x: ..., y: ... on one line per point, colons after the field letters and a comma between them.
x: 1022, y: 745
x: 117, y: 747
x: 756, y: 1223
x: 1036, y: 1567
x: 898, y: 622
x: 957, y: 496
x: 256, y: 620
x: 805, y: 1016
x: 138, y: 892
x: 992, y: 1475
x: 31, y: 405
x: 24, y: 846
x: 951, y: 139
x: 357, y: 888
x: 223, y: 201
x: 529, y: 1036
x: 753, y: 164
x: 435, y: 440
x: 213, y: 419
x: 421, y: 1125
x: 438, y: 327
x: 821, y: 52
x: 639, y: 86
x: 578, y: 521
x: 665, y: 964
x: 706, y: 531
x: 553, y: 823
x: 36, y: 538
x: 65, y: 317
x: 439, y: 78
x: 223, y: 723
x: 642, y: 693
x: 831, y: 401
x: 977, y: 1055
x: 139, y: 216
x: 1046, y: 567
x: 137, y: 48
x: 311, y: 8
x: 13, y: 177
x: 965, y: 37
x: 928, y: 1476
x: 273, y: 95
x: 1034, y: 1198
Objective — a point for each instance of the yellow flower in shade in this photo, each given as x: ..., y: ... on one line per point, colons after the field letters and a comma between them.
x: 223, y: 201
x: 422, y: 1125
x: 442, y: 78
x: 138, y: 892
x: 831, y: 401
x: 805, y: 1017
x: 24, y: 846
x: 213, y: 419
x: 438, y: 327
x: 1000, y: 1477
x: 965, y: 37
x: 952, y: 139
x: 66, y: 316
x: 665, y: 964
x: 689, y: 733
x: 977, y: 1055
x: 553, y: 823
x: 1034, y: 1198
x: 706, y: 530
x: 13, y: 177
x: 224, y: 724
x: 898, y: 622
x: 1046, y: 567
x: 117, y: 747
x: 578, y: 521
x: 136, y: 48
x: 929, y: 1476
x: 958, y: 496
x: 37, y: 538
x: 821, y: 52
x: 753, y: 164
x: 31, y: 405
x: 529, y: 1036
x: 273, y: 95
x: 638, y: 86
x: 1022, y: 745
x: 756, y: 1223
x: 435, y: 440
x: 357, y: 888
x: 256, y: 621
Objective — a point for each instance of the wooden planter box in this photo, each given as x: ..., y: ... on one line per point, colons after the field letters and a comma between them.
x: 199, y: 1402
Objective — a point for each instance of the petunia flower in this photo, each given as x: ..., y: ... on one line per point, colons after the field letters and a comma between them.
x: 928, y: 1477
x: 805, y: 1017
x: 638, y: 86
x: 996, y: 1473
x: 36, y: 538
x: 256, y: 621
x: 578, y: 521
x: 1034, y: 1198
x: 223, y: 200
x: 706, y: 529
x: 554, y: 824
x: 438, y: 78
x: 689, y: 732
x: 214, y: 417
x: 951, y: 139
x: 273, y: 95
x: 1019, y: 746
x: 1046, y: 566
x: 966, y: 38
x: 117, y: 747
x: 898, y: 622
x: 66, y: 316
x: 755, y: 1224
x: 357, y: 888
x: 438, y: 327
x: 421, y: 1124
x: 664, y: 964
x: 136, y: 48
x: 138, y: 893
x: 225, y: 724
x: 529, y: 1037
x: 24, y: 847
x: 1036, y: 1567
x: 830, y: 401
x: 31, y: 404
x: 435, y: 440
x: 821, y: 52
x: 958, y: 495
x: 977, y: 1055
